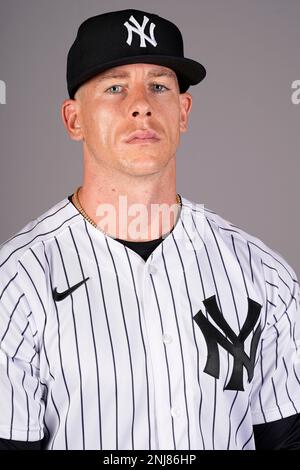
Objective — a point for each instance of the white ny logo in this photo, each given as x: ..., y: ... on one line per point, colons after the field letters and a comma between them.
x: 138, y: 29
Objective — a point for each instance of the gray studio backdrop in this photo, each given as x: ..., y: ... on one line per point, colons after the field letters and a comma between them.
x: 240, y: 157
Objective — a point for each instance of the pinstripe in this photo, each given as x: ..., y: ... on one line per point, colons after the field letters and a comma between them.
x: 294, y: 339
x: 27, y: 404
x: 12, y: 399
x: 288, y: 287
x: 247, y: 292
x: 247, y: 442
x: 286, y: 313
x: 45, y: 398
x: 7, y: 285
x: 241, y: 422
x: 242, y: 272
x: 10, y: 317
x: 292, y: 296
x: 178, y: 331
x: 275, y: 395
x: 58, y: 416
x: 286, y: 387
x: 250, y: 261
x: 265, y: 321
x: 229, y: 420
x: 37, y: 259
x: 22, y: 341
x: 262, y: 381
x: 166, y: 359
x: 40, y: 407
x: 59, y: 348
x: 128, y: 344
x: 35, y: 353
x: 45, y: 315
x: 76, y: 342
x: 218, y: 297
x: 295, y: 373
x: 39, y: 417
x: 214, y: 415
x: 233, y: 297
x: 24, y: 331
x: 270, y: 267
x: 36, y: 389
x: 276, y: 346
x: 230, y: 285
x: 109, y: 334
x: 228, y: 229
x: 274, y: 257
x: 143, y: 341
x: 272, y: 285
x: 194, y: 335
x: 93, y: 333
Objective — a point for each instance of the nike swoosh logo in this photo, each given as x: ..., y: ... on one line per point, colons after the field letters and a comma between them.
x: 58, y: 296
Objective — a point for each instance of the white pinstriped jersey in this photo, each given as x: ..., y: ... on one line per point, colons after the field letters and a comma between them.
x: 184, y: 351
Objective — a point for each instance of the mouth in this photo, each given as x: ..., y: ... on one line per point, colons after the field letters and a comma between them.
x: 143, y: 141
x: 143, y: 137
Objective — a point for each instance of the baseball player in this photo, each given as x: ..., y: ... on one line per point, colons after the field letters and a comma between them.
x: 171, y: 331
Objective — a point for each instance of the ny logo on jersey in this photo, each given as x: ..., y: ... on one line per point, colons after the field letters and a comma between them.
x: 139, y: 29
x: 233, y: 343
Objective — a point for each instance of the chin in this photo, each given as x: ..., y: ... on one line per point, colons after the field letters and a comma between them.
x: 145, y: 161
x: 143, y: 168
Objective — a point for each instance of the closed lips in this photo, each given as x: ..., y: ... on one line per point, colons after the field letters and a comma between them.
x: 142, y: 135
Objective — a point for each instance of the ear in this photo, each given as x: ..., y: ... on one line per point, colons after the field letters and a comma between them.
x: 185, y: 109
x: 70, y: 117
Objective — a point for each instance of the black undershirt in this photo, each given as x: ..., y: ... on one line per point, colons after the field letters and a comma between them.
x: 144, y: 249
x: 283, y: 434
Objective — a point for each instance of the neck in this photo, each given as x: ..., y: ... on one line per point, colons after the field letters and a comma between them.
x: 131, y: 211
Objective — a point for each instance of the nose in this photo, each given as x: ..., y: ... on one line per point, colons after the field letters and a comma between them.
x: 140, y: 106
x: 137, y: 113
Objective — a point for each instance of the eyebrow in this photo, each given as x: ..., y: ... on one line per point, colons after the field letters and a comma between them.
x: 150, y: 74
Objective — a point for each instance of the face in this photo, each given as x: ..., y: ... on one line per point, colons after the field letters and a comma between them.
x: 129, y: 118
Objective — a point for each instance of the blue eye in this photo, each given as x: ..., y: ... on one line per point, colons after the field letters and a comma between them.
x: 115, y: 89
x: 159, y: 88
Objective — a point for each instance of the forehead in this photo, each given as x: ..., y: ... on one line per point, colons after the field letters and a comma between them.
x: 128, y: 70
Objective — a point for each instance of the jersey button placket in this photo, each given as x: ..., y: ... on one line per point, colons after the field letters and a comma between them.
x: 158, y: 342
x: 167, y: 339
x: 175, y: 412
x: 152, y: 269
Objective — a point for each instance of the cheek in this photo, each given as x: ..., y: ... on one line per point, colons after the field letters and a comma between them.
x: 99, y: 128
x: 173, y: 123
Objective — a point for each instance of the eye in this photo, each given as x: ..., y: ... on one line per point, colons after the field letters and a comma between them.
x: 159, y: 88
x: 115, y: 89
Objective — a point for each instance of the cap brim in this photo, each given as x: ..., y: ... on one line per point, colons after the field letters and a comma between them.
x: 188, y: 71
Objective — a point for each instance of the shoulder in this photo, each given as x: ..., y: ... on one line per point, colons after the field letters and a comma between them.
x: 233, y: 241
x: 36, y: 232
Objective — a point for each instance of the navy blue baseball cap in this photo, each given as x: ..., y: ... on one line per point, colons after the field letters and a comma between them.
x: 129, y: 37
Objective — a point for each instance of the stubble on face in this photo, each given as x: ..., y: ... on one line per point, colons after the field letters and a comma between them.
x: 107, y: 120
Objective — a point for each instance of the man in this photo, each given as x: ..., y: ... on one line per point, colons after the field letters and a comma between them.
x: 171, y: 330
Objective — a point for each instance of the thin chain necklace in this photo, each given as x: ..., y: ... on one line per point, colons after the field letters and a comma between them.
x: 76, y: 202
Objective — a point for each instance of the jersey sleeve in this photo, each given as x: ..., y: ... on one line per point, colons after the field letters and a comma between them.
x: 21, y: 392
x: 276, y: 385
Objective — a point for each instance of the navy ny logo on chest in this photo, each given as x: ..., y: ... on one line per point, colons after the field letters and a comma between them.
x: 230, y: 341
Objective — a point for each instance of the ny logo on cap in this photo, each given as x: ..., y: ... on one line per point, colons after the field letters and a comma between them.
x: 138, y: 29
